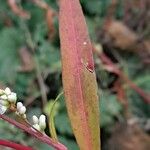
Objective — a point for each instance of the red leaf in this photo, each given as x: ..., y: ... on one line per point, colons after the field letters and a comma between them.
x: 79, y: 79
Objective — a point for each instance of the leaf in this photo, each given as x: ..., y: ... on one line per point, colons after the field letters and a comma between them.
x: 93, y: 7
x: 79, y: 79
x: 10, y: 41
x: 63, y: 126
x: 69, y: 142
x: 50, y: 14
x: 109, y: 108
x: 9, y: 131
x: 48, y: 55
x: 41, y: 4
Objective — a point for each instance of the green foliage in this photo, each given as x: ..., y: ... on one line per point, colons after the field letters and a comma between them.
x: 47, y: 55
x: 7, y: 129
x: 109, y: 108
x: 62, y: 122
x: 95, y: 7
x: 69, y: 142
x: 92, y: 7
x: 10, y: 41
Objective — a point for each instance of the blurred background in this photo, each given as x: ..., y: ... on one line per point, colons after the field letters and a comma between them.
x: 30, y: 65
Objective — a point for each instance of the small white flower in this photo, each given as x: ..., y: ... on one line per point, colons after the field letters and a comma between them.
x: 7, y: 91
x: 35, y: 119
x: 3, y: 97
x: 22, y: 110
x: 4, y: 102
x: 39, y: 124
x: 6, y: 98
x: 1, y: 92
x: 12, y: 97
x: 3, y: 109
x: 42, y: 122
x: 19, y: 105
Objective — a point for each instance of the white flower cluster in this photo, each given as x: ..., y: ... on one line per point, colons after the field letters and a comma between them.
x: 6, y: 99
x: 39, y: 123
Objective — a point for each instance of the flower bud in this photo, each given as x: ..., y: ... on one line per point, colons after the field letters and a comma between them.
x: 22, y: 110
x: 24, y: 116
x: 7, y: 91
x: 12, y: 97
x: 2, y: 109
x: 3, y: 97
x: 19, y: 105
x: 35, y: 119
x: 4, y: 102
x: 1, y: 92
x: 42, y: 122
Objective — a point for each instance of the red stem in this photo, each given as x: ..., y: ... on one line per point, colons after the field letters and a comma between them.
x: 14, y: 145
x: 107, y: 61
x: 42, y: 137
x: 146, y: 97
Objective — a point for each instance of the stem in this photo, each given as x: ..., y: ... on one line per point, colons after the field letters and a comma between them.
x: 51, y: 119
x: 14, y: 145
x: 116, y: 70
x: 41, y: 83
x: 42, y: 137
x: 32, y: 46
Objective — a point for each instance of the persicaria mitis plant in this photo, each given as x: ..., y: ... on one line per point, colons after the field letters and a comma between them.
x: 8, y: 101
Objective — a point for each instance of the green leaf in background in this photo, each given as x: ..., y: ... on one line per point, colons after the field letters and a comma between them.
x: 62, y: 122
x: 119, y: 9
x: 109, y: 108
x: 71, y: 144
x: 47, y: 54
x: 42, y: 146
x: 22, y: 82
x: 11, y: 40
x: 92, y: 26
x: 93, y: 7
x: 7, y: 129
